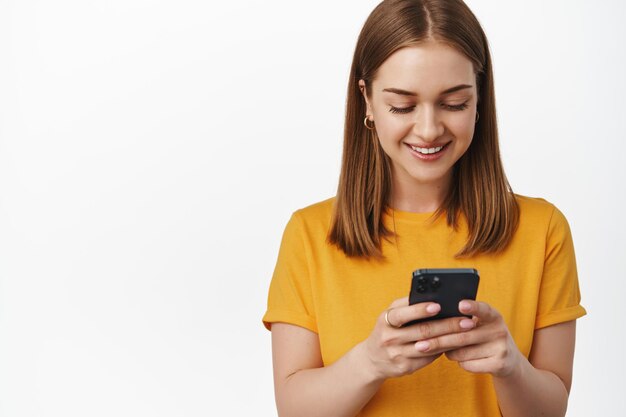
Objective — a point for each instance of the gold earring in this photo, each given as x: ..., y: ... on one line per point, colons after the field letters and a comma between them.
x: 366, y: 125
x: 477, y: 116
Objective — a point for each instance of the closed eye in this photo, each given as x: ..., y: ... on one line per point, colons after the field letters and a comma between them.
x: 455, y: 107
x: 451, y: 107
x: 401, y: 109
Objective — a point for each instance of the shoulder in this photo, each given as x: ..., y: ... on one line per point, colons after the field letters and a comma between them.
x: 539, y: 214
x: 535, y: 208
x: 534, y: 205
x: 310, y: 223
x: 315, y: 215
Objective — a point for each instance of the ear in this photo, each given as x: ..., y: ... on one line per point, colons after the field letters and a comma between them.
x: 364, y: 93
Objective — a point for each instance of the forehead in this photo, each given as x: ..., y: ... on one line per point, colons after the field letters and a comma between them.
x: 427, y: 68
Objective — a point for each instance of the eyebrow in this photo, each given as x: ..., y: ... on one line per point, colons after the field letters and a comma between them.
x: 410, y: 93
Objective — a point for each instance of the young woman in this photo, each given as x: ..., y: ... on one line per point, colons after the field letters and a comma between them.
x: 422, y: 186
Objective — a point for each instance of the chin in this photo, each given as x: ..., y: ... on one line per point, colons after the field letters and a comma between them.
x: 428, y: 179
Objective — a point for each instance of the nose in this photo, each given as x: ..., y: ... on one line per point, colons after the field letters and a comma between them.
x: 427, y: 125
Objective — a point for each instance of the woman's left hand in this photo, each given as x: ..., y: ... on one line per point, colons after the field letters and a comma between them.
x: 487, y: 348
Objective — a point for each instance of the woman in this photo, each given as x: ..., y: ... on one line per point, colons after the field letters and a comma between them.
x: 422, y: 186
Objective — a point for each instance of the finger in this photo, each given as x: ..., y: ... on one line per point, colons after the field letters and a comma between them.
x: 454, y: 340
x: 479, y: 366
x: 483, y: 311
x: 408, y: 351
x: 434, y: 328
x: 397, y: 316
x: 470, y: 353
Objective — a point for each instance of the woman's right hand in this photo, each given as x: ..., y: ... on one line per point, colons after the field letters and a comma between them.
x: 392, y: 352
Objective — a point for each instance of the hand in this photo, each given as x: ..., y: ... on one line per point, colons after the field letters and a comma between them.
x: 488, y: 348
x: 392, y: 352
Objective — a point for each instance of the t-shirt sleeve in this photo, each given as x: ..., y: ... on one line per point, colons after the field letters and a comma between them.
x: 559, y: 294
x: 290, y: 299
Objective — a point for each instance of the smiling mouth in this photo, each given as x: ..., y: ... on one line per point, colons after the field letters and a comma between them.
x: 428, y: 151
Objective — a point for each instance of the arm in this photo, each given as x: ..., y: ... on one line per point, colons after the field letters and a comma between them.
x: 535, y: 387
x: 540, y: 386
x: 306, y: 388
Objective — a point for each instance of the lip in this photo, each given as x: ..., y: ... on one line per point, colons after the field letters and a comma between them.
x: 428, y: 145
x: 431, y: 156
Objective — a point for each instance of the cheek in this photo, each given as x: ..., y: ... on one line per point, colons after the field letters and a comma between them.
x: 462, y: 127
x: 391, y: 128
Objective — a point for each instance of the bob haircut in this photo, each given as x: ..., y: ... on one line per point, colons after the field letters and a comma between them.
x: 479, y: 191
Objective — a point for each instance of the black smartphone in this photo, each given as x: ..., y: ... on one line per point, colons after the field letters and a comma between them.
x: 447, y: 287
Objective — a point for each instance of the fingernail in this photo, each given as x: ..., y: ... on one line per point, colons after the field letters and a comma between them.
x: 433, y: 308
x: 422, y: 346
x: 466, y: 324
x: 464, y: 306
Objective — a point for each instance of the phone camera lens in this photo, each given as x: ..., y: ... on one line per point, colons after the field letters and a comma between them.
x: 421, y: 280
x: 421, y: 288
x: 436, y: 283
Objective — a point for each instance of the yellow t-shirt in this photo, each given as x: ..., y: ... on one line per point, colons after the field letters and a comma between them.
x: 533, y: 284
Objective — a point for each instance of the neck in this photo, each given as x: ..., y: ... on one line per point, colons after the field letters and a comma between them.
x: 416, y: 197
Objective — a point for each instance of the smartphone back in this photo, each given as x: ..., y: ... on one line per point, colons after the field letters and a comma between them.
x: 446, y: 287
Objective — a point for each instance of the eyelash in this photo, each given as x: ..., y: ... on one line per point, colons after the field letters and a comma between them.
x: 450, y: 107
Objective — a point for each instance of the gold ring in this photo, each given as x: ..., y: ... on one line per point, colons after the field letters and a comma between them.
x: 387, y: 320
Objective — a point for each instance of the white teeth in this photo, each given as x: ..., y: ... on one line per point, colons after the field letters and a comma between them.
x: 427, y: 151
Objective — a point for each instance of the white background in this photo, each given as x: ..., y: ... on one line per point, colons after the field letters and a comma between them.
x: 151, y: 153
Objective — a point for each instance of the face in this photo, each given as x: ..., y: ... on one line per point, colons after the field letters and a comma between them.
x: 423, y: 105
